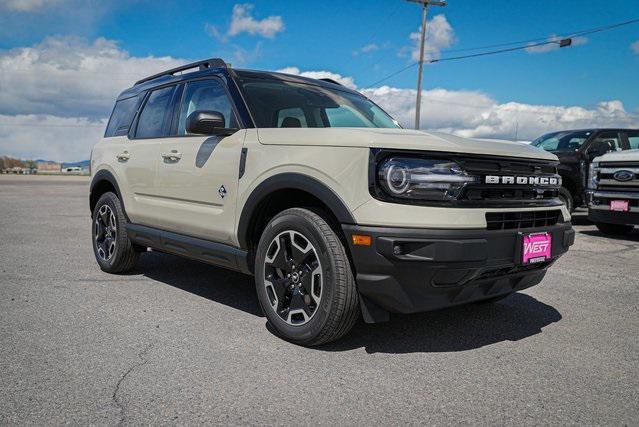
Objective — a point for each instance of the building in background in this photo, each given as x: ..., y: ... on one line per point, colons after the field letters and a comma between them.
x: 49, y: 167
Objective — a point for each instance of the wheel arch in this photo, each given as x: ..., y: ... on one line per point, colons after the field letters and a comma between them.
x: 104, y: 181
x: 303, y: 187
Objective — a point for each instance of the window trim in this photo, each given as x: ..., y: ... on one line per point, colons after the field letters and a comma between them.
x: 132, y: 135
x: 130, y: 125
x: 181, y: 101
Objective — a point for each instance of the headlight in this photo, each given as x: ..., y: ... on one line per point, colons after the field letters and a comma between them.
x: 593, y: 176
x: 423, y: 179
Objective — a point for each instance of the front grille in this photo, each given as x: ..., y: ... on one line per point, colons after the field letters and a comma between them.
x: 505, y: 194
x: 483, y: 194
x: 607, y: 181
x: 519, y: 220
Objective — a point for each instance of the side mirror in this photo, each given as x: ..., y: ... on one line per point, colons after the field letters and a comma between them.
x: 599, y: 148
x: 205, y: 122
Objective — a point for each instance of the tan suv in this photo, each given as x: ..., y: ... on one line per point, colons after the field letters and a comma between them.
x: 317, y: 192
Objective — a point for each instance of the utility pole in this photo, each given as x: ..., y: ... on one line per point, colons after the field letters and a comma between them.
x: 418, y: 101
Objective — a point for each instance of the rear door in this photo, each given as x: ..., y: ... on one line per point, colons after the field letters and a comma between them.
x: 197, y: 175
x: 141, y: 156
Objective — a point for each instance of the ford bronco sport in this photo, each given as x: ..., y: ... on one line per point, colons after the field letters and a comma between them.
x: 316, y: 191
x: 614, y: 192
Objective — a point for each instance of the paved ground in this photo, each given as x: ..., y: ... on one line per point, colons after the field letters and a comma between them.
x: 181, y: 342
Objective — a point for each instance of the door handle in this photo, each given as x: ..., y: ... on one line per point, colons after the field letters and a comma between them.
x: 124, y: 156
x: 173, y: 156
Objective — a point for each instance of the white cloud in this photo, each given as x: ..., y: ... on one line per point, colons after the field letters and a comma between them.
x: 49, y: 137
x: 243, y: 22
x: 635, y: 47
x: 56, y: 95
x: 27, y: 5
x: 346, y: 81
x: 371, y: 47
x: 474, y: 114
x: 71, y: 77
x: 439, y: 35
x: 576, y: 41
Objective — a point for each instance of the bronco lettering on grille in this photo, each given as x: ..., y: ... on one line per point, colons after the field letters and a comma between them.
x: 522, y: 180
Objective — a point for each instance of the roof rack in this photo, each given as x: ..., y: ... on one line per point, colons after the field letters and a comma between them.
x: 326, y: 79
x: 201, y: 65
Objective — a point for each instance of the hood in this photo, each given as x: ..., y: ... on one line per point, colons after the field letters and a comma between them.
x: 619, y: 156
x: 401, y: 139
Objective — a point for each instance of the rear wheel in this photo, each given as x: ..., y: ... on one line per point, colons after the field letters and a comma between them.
x: 303, y: 279
x: 111, y: 245
x: 614, y: 229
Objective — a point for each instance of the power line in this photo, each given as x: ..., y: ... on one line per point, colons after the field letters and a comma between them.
x: 532, y: 45
x: 527, y: 45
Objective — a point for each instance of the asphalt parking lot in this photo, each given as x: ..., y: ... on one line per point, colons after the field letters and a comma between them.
x: 178, y: 341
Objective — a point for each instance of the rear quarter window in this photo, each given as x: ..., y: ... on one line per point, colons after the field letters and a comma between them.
x: 122, y: 117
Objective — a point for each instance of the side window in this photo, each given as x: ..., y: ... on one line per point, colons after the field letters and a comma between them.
x: 612, y: 138
x: 291, y: 118
x: 206, y: 95
x: 121, y: 117
x: 155, y: 118
x: 633, y: 139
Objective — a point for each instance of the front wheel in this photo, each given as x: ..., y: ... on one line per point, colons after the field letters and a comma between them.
x: 614, y: 229
x: 566, y: 197
x: 111, y: 245
x: 304, y: 280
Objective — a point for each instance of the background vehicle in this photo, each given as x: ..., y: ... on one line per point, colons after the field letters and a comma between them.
x: 614, y: 192
x: 576, y: 149
x: 316, y: 191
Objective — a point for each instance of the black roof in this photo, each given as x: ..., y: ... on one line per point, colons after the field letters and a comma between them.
x: 216, y: 66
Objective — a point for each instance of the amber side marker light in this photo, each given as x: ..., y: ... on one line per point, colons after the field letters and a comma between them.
x: 361, y: 240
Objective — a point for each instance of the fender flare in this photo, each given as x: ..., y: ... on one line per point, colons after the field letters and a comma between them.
x: 292, y: 181
x: 105, y: 175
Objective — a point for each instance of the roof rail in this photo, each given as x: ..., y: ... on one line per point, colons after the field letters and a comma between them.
x: 326, y: 79
x: 201, y: 65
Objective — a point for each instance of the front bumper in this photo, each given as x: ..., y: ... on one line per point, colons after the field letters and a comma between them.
x: 407, y: 270
x: 613, y: 217
x: 599, y: 207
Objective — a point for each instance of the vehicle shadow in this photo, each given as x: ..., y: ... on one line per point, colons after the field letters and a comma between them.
x: 456, y: 329
x: 224, y: 286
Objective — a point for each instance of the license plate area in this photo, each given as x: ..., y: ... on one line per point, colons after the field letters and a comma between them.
x: 534, y: 248
x: 619, y: 205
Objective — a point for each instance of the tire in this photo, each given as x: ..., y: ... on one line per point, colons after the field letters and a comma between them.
x: 301, y: 264
x: 614, y: 229
x: 566, y: 197
x: 111, y: 245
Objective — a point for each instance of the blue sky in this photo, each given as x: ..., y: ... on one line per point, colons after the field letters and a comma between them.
x: 323, y: 35
x: 329, y: 36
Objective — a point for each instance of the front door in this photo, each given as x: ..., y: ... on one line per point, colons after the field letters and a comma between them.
x: 197, y: 175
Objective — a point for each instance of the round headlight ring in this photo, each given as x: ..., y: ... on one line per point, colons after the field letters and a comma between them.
x: 397, y: 179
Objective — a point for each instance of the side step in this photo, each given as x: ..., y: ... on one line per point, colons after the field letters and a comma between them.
x: 206, y: 251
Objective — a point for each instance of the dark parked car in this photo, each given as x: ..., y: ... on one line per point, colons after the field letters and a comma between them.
x: 576, y: 149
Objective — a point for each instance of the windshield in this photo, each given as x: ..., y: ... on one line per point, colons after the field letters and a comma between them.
x: 562, y: 141
x: 281, y: 104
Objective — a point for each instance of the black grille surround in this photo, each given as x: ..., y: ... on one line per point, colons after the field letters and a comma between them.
x: 521, y: 220
x: 481, y: 194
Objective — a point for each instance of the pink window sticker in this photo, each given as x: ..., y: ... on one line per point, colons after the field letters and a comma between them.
x: 537, y: 247
x: 619, y: 205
